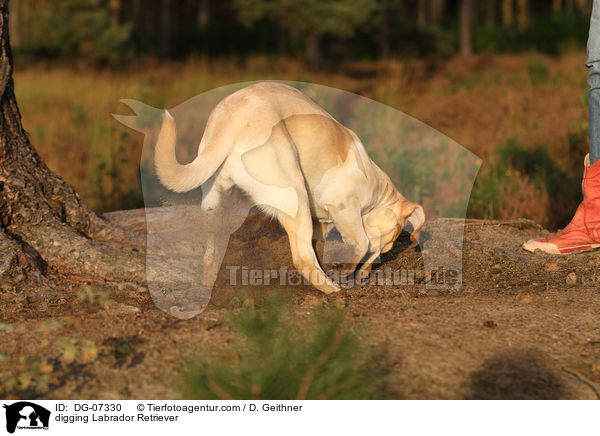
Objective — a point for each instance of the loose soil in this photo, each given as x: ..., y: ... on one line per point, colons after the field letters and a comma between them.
x: 521, y: 326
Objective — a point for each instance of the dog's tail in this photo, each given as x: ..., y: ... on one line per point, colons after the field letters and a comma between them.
x: 173, y: 175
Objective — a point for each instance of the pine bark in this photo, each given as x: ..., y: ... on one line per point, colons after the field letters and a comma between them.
x: 46, y: 230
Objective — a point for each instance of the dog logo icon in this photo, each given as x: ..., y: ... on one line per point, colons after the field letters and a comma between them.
x: 26, y: 415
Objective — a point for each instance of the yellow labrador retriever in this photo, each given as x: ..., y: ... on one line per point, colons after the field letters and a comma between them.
x: 297, y: 163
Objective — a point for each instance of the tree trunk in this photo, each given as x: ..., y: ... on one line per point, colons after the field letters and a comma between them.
x: 384, y: 33
x: 46, y: 231
x: 422, y: 13
x: 466, y: 18
x: 114, y: 10
x: 165, y: 27
x: 313, y: 50
x: 582, y: 5
x: 522, y: 14
x: 203, y: 14
x: 490, y: 13
x: 437, y: 9
x: 556, y: 6
x: 508, y: 14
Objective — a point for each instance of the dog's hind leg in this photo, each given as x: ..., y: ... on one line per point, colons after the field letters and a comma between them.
x: 223, y: 212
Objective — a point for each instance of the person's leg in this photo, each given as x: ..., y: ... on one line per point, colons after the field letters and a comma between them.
x: 583, y: 233
x: 593, y: 63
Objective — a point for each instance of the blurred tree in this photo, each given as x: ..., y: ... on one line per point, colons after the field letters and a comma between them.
x: 114, y: 9
x: 522, y: 14
x: 165, y: 27
x: 508, y: 14
x: 15, y: 28
x: 203, y: 14
x: 466, y: 22
x: 422, y: 12
x: 557, y: 6
x: 585, y: 6
x: 340, y: 28
x: 490, y: 13
x: 436, y: 11
x: 45, y: 228
x: 82, y: 29
x: 309, y: 19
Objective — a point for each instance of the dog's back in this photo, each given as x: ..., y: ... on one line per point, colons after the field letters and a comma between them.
x: 250, y: 114
x: 242, y: 121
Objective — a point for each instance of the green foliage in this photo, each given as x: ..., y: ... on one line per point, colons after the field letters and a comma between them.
x: 538, y: 71
x: 347, y: 29
x: 546, y: 34
x: 82, y: 29
x: 498, y: 183
x: 304, y: 17
x: 278, y: 353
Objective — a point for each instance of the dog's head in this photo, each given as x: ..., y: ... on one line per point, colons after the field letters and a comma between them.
x: 385, y: 223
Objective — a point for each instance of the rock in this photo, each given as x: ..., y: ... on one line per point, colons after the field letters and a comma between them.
x: 496, y: 269
x: 551, y: 266
x: 571, y: 279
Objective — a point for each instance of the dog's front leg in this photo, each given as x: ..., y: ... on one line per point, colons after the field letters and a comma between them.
x: 347, y: 219
x: 299, y: 230
x: 365, y: 269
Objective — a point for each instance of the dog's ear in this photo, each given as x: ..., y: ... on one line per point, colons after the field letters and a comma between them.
x: 413, y: 214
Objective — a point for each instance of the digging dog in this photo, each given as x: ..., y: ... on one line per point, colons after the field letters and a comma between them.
x: 298, y: 164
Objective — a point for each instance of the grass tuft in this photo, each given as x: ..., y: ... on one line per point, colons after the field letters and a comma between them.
x: 284, y: 354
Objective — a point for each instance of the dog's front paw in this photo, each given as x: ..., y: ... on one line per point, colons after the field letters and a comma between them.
x: 328, y: 288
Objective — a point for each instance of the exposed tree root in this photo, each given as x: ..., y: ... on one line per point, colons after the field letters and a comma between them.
x: 45, y: 227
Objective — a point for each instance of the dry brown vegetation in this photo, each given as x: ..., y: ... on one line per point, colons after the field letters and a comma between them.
x: 481, y: 103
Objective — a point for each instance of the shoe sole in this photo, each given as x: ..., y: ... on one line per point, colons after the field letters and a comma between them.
x: 550, y: 248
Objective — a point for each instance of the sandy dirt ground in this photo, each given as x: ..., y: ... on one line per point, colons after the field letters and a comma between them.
x: 521, y: 326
